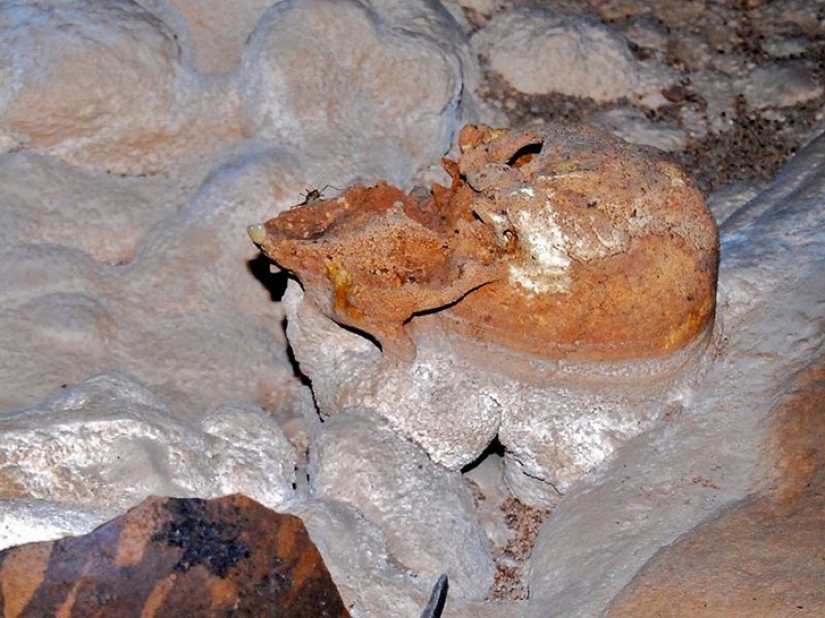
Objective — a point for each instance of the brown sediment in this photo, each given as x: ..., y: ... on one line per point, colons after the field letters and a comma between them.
x: 565, y: 244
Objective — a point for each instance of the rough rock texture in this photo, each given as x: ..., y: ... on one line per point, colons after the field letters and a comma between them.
x: 151, y: 273
x: 633, y: 126
x: 541, y: 51
x: 48, y: 201
x: 425, y: 511
x: 720, y: 448
x: 564, y: 245
x: 617, y: 247
x: 373, y: 583
x: 373, y: 257
x: 173, y: 557
x: 592, y: 219
x: 29, y: 521
x: 781, y: 85
x: 348, y: 370
x: 109, y: 442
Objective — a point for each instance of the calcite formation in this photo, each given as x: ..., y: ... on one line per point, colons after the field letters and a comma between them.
x: 564, y: 244
x: 559, y: 295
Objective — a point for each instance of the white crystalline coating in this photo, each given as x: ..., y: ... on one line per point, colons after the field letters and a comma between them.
x: 546, y: 266
x: 111, y: 442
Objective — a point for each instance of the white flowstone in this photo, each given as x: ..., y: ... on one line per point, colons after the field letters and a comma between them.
x: 150, y: 276
x: 216, y: 30
x: 647, y: 496
x: 355, y: 552
x: 249, y: 454
x: 542, y: 52
x: 45, y: 200
x: 453, y: 399
x: 425, y: 511
x: 370, y: 582
x: 101, y: 84
x: 111, y: 443
x: 186, y: 304
x: 32, y: 521
x: 353, y: 82
x: 431, y: 403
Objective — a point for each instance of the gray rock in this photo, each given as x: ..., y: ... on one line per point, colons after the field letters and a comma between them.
x: 786, y: 47
x: 149, y: 275
x: 488, y: 476
x: 719, y: 94
x: 557, y: 419
x: 425, y: 511
x: 370, y: 581
x: 187, y: 301
x: 46, y: 200
x: 214, y: 30
x: 441, y: 402
x: 727, y: 200
x: 632, y: 126
x: 355, y: 552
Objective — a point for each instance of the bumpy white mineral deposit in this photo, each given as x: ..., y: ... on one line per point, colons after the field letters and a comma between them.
x: 542, y: 326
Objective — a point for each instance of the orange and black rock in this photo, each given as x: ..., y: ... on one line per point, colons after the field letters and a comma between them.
x: 563, y: 244
x: 174, y: 557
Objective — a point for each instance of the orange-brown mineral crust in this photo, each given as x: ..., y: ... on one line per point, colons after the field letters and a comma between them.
x: 569, y: 243
x: 373, y: 257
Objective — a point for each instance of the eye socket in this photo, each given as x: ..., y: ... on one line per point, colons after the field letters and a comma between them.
x: 524, y: 154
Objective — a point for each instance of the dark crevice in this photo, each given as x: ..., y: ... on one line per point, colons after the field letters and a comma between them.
x: 494, y: 448
x: 524, y: 154
x: 296, y: 366
x: 274, y: 282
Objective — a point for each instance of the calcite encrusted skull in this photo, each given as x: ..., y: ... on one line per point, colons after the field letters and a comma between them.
x: 562, y: 244
x: 551, y: 249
